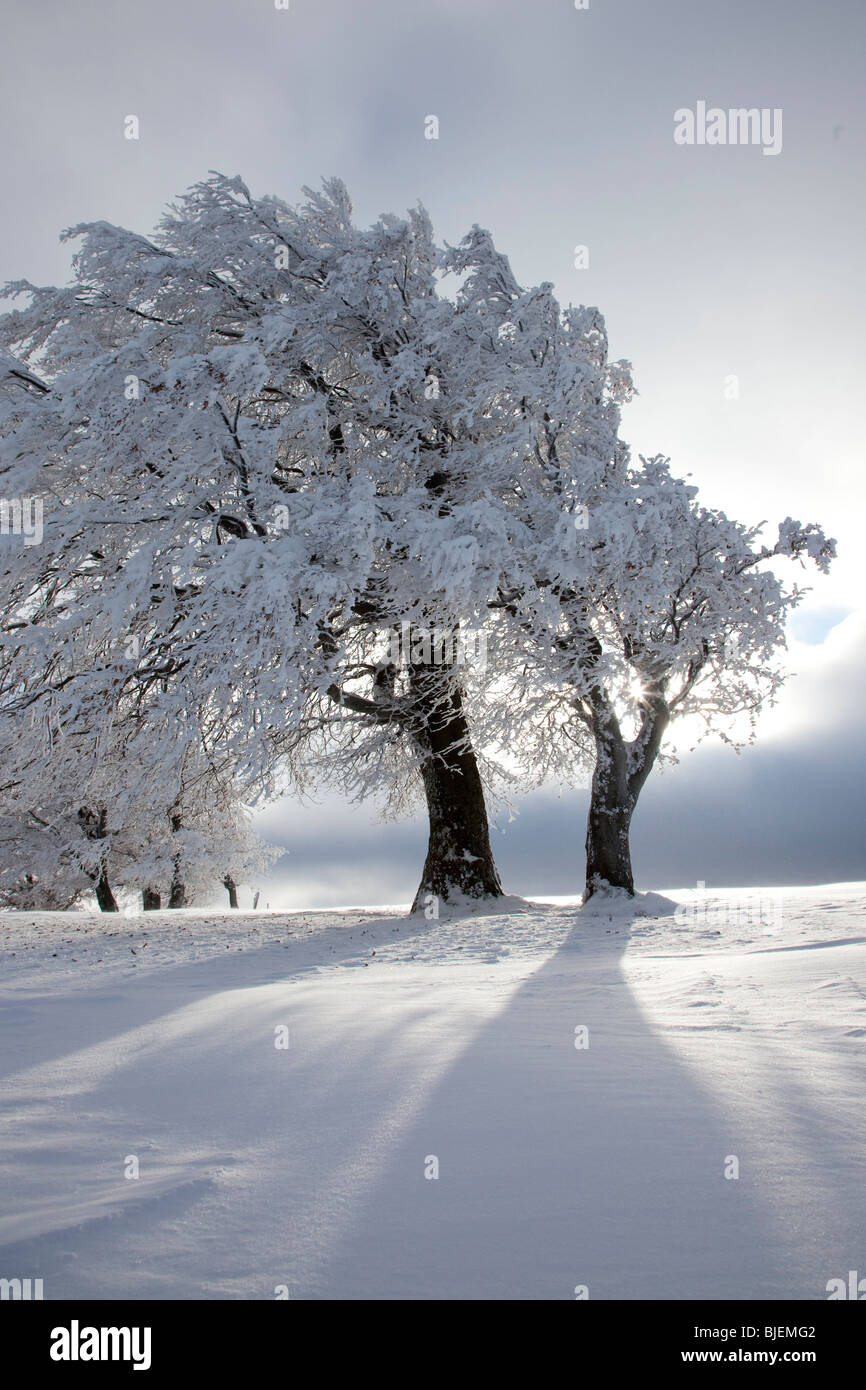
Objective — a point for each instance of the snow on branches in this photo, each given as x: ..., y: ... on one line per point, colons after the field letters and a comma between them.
x: 265, y: 443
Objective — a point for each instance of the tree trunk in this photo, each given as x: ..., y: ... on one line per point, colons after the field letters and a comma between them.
x: 177, y: 891
x: 621, y: 769
x: 151, y: 899
x: 94, y: 825
x: 459, y: 861
x: 608, y: 855
x: 104, y: 896
x: 232, y: 888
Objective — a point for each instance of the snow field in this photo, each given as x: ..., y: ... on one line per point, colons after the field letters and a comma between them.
x: 537, y: 1103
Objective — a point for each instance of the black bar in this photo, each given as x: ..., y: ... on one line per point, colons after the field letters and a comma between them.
x: 222, y: 1337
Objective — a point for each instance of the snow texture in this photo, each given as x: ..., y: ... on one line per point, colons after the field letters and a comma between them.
x: 720, y: 1025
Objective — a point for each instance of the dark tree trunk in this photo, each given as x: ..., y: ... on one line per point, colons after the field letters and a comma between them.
x: 459, y: 859
x: 608, y: 855
x: 104, y: 896
x: 151, y: 899
x: 232, y: 889
x: 94, y: 824
x: 621, y: 768
x: 177, y: 891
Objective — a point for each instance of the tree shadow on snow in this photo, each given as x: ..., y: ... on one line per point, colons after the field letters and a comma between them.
x: 568, y: 1170
x: 561, y: 1167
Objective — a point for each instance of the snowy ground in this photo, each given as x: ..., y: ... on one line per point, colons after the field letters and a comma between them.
x: 734, y: 1030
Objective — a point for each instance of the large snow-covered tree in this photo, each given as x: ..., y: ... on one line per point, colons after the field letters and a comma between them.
x: 267, y: 441
x: 269, y: 446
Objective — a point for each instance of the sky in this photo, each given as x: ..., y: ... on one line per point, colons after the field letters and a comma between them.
x: 732, y: 280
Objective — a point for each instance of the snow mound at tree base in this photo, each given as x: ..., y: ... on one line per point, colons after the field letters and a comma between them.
x: 459, y: 905
x: 619, y: 902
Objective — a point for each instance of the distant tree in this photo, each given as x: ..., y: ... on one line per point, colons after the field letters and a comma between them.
x: 37, y: 873
x: 115, y: 804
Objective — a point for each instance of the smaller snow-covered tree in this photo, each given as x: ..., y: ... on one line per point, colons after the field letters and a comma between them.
x: 678, y: 613
x: 115, y: 797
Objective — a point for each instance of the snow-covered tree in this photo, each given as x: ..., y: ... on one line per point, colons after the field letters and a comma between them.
x: 89, y: 803
x: 282, y: 473
x: 38, y: 871
x: 266, y: 442
x: 510, y: 381
x: 676, y: 612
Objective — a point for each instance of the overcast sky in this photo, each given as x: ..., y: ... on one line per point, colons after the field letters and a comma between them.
x: 709, y: 262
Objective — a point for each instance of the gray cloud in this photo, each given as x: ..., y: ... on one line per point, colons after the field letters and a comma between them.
x: 789, y: 809
x: 786, y: 814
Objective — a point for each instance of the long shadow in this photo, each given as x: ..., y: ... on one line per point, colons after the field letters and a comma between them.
x: 179, y: 1067
x: 566, y: 1172
x: 559, y: 1166
x: 41, y: 1021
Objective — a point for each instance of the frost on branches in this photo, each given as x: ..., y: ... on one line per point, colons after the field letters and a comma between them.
x: 675, y: 611
x: 285, y: 467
